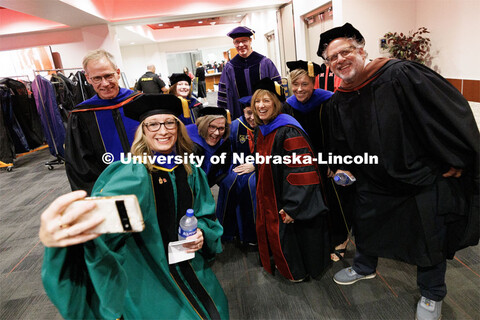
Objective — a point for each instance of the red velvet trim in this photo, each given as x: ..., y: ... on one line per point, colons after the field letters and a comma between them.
x: 303, y: 178
x: 267, y: 221
x: 116, y: 106
x: 295, y: 143
x: 299, y: 165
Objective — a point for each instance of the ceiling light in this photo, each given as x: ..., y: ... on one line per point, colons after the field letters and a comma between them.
x: 200, y: 21
x: 212, y: 23
x: 239, y: 15
x: 176, y: 27
x: 160, y: 24
x: 132, y: 42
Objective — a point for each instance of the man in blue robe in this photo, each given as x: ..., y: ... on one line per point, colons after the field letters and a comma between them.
x: 98, y: 126
x: 240, y: 73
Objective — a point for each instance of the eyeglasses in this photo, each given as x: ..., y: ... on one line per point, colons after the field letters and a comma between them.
x: 238, y: 42
x: 155, y: 126
x: 109, y: 77
x: 344, y: 53
x: 212, y: 129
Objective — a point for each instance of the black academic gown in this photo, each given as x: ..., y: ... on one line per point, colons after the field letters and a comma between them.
x: 311, y: 115
x: 419, y: 126
x: 94, y: 128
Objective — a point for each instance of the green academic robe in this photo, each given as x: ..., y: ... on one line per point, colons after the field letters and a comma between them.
x: 128, y: 274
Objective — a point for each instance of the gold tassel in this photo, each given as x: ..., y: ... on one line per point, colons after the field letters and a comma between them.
x: 311, y: 73
x: 278, y: 88
x: 186, y: 110
x: 229, y: 118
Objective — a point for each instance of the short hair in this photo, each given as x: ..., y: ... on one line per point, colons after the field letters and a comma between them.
x: 298, y: 73
x: 97, y: 55
x: 150, y: 67
x: 199, y: 63
x: 173, y: 90
x: 203, y: 123
x: 357, y: 44
x: 277, y: 105
x: 183, y: 144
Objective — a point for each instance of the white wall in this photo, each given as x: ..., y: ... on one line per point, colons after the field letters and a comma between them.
x: 374, y: 18
x: 454, y: 27
x: 136, y: 58
x: 262, y: 22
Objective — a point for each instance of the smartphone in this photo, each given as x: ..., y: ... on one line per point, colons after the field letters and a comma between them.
x: 121, y: 213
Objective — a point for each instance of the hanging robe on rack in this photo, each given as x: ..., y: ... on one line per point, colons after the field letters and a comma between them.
x: 26, y: 112
x: 7, y: 150
x: 49, y: 114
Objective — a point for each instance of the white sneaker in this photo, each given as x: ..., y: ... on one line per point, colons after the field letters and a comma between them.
x: 428, y: 309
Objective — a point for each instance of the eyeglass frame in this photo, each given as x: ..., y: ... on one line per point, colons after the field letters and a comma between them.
x: 238, y: 42
x: 109, y: 77
x: 344, y: 53
x: 216, y: 128
x: 174, y: 122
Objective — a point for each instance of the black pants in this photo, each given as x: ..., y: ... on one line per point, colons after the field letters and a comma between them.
x: 430, y: 280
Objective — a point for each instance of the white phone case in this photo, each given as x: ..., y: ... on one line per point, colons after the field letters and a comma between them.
x: 121, y: 213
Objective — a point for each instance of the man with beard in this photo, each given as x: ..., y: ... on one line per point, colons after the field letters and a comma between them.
x: 419, y: 204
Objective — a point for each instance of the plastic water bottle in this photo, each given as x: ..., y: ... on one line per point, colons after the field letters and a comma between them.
x: 343, y: 179
x: 188, y: 225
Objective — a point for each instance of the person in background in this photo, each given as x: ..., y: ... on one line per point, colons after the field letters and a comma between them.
x: 128, y: 275
x: 181, y: 86
x: 97, y: 125
x: 150, y: 82
x: 202, y: 91
x: 188, y: 73
x: 210, y: 135
x: 291, y: 219
x: 236, y: 197
x: 307, y: 107
x: 419, y: 203
x: 240, y: 73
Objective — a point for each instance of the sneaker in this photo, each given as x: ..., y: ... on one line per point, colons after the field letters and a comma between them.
x: 349, y: 276
x: 428, y: 309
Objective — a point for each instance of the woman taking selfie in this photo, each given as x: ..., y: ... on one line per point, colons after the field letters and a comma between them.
x: 128, y: 274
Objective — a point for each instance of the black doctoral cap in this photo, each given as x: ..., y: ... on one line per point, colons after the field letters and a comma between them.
x: 345, y: 31
x: 312, y: 68
x: 272, y: 86
x: 241, y: 32
x: 214, y: 111
x: 148, y: 104
x: 176, y: 77
x: 245, y: 101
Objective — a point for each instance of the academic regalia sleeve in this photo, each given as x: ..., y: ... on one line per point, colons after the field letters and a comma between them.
x: 272, y: 71
x: 92, y: 273
x: 223, y: 87
x: 204, y: 208
x: 82, y: 164
x: 104, y: 255
x: 442, y: 117
x: 301, y: 183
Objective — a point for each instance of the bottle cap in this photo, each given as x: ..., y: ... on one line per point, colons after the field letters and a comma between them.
x: 189, y: 213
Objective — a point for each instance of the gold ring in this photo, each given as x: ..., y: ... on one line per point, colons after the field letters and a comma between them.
x: 63, y: 225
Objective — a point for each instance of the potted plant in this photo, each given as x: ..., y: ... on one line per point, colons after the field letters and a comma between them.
x: 414, y: 46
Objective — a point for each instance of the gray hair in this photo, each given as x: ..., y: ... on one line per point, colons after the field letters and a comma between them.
x: 357, y: 44
x: 97, y: 55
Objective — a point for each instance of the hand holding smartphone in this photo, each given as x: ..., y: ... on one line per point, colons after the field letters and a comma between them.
x: 121, y: 214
